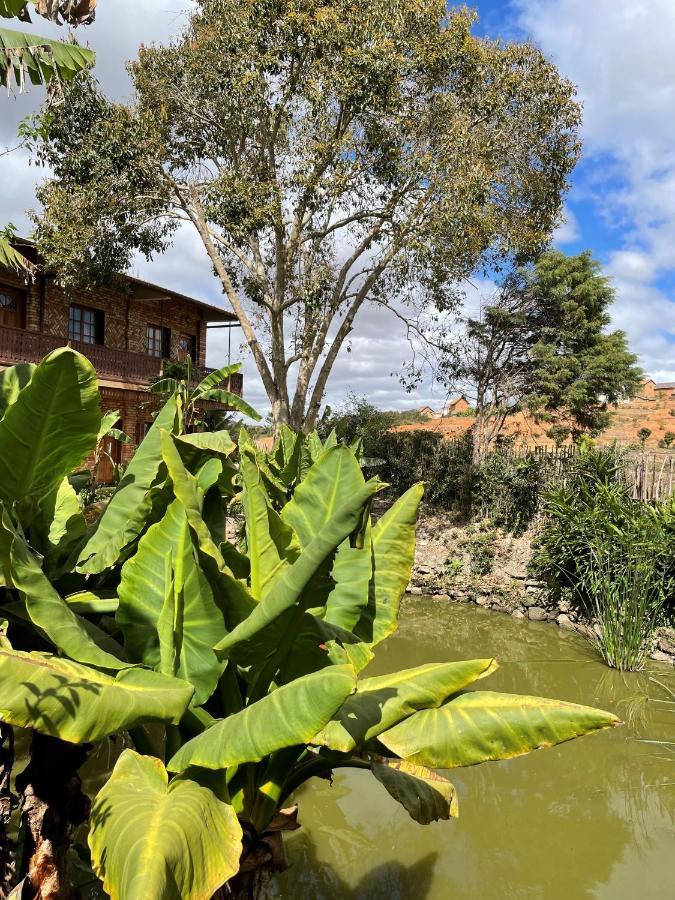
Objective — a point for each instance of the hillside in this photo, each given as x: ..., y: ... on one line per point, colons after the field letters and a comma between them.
x: 653, y: 408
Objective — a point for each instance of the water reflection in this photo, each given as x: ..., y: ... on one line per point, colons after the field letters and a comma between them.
x: 591, y: 818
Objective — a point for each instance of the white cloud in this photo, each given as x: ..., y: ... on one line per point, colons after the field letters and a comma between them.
x: 621, y: 54
x: 567, y: 231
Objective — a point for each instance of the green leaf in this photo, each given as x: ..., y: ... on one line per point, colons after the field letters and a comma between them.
x: 234, y: 599
x: 59, y: 528
x: 152, y: 839
x: 46, y: 609
x: 285, y: 590
x: 13, y: 379
x: 290, y: 715
x: 393, y: 557
x: 108, y: 420
x: 232, y: 401
x: 125, y: 516
x: 425, y: 795
x: 196, y: 622
x: 214, y: 441
x: 266, y: 563
x: 79, y: 704
x: 382, y: 701
x: 39, y: 58
x: 213, y: 379
x: 11, y: 8
x: 352, y: 571
x: 88, y: 603
x: 483, y: 725
x: 335, y: 477
x: 49, y: 429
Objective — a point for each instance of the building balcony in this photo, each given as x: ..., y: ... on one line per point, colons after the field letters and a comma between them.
x: 18, y: 345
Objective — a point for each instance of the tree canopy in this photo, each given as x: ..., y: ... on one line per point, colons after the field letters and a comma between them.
x: 542, y: 344
x: 328, y: 154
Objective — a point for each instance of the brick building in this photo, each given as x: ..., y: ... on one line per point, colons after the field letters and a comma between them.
x: 126, y: 332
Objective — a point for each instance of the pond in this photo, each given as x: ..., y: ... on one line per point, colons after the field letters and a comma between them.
x: 591, y: 818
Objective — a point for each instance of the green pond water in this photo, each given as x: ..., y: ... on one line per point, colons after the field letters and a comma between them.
x: 593, y: 817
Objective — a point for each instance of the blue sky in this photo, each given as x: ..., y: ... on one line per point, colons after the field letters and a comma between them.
x: 621, y: 56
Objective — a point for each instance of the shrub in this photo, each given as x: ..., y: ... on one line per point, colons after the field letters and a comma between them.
x: 507, y: 488
x: 612, y: 554
x: 480, y: 546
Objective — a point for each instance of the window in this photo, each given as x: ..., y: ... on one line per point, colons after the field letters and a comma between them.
x: 8, y: 302
x: 159, y: 341
x: 186, y: 347
x: 86, y: 325
x: 141, y: 430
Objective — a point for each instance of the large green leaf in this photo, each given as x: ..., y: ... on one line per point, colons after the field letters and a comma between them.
x: 393, y: 557
x: 196, y: 621
x: 351, y: 573
x: 335, y: 477
x: 266, y: 563
x: 49, y: 429
x: 215, y: 378
x: 125, y: 516
x: 484, y: 725
x: 425, y: 795
x: 232, y: 401
x: 152, y: 839
x: 382, y: 701
x: 284, y: 591
x: 59, y: 528
x: 39, y: 58
x: 13, y: 380
x: 46, y: 609
x: 78, y: 704
x: 233, y: 597
x: 290, y: 715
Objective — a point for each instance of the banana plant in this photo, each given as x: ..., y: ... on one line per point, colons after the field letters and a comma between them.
x: 234, y: 672
x: 182, y: 382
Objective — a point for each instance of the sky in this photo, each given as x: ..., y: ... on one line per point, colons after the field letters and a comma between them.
x: 621, y: 205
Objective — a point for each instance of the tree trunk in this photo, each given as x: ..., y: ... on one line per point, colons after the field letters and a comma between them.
x: 7, y: 803
x: 52, y: 805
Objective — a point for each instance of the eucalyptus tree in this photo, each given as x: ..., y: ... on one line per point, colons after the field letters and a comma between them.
x: 328, y: 155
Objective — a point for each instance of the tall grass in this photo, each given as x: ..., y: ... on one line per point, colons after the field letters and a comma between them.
x: 627, y: 600
x: 613, y: 555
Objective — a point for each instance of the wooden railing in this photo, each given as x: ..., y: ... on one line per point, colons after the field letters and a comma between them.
x: 18, y: 345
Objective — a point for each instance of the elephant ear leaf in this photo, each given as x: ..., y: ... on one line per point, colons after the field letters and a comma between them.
x: 484, y: 725
x: 290, y: 715
x: 49, y: 429
x: 151, y: 839
x: 46, y: 609
x: 125, y: 515
x: 425, y: 795
x: 382, y: 701
x: 171, y: 605
x: 333, y: 479
x: 59, y: 528
x: 79, y: 704
x: 12, y: 381
x: 393, y: 544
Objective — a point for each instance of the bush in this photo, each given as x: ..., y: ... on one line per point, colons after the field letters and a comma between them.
x: 480, y: 546
x: 612, y: 554
x: 507, y: 488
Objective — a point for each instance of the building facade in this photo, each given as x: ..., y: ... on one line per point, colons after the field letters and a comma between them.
x: 127, y: 332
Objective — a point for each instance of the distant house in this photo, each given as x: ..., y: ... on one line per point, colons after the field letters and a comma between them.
x: 127, y: 332
x: 656, y: 390
x: 453, y: 407
x: 456, y: 406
